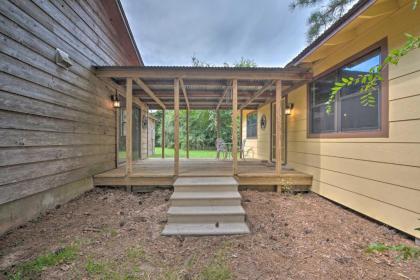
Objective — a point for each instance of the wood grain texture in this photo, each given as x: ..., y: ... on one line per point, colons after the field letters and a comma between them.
x: 176, y: 126
x: 56, y: 125
x: 278, y: 127
x: 235, y: 126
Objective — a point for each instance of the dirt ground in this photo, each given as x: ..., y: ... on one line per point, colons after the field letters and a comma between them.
x: 117, y: 236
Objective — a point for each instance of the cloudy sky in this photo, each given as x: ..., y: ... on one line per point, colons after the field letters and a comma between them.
x: 170, y: 32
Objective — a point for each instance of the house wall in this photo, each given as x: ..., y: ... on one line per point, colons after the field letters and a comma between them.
x: 57, y: 126
x: 379, y: 177
x: 258, y: 148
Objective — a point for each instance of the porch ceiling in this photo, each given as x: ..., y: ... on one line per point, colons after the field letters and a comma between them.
x: 206, y: 87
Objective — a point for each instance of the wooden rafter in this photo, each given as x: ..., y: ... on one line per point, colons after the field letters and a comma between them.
x: 223, y: 97
x: 184, y: 91
x: 149, y: 92
x: 257, y: 94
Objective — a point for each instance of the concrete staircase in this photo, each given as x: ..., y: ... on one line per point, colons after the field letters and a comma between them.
x: 205, y: 206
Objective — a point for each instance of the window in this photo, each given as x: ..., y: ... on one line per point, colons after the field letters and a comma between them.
x: 251, y: 125
x: 348, y: 114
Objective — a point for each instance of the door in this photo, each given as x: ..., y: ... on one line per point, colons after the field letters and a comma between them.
x: 273, y: 133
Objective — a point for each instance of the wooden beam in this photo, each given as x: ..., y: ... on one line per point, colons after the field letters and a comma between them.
x: 278, y: 127
x: 188, y: 134
x: 117, y: 136
x: 218, y: 124
x: 222, y: 98
x: 149, y: 92
x: 205, y: 73
x: 234, y: 127
x: 129, y: 130
x: 240, y: 132
x: 257, y: 94
x: 162, y: 140
x: 184, y: 91
x: 176, y: 126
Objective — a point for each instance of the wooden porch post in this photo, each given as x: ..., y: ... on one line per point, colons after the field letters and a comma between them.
x: 278, y: 127
x: 241, y: 154
x: 162, y: 140
x: 176, y: 127
x: 234, y: 126
x: 129, y: 130
x: 188, y: 134
x: 218, y: 136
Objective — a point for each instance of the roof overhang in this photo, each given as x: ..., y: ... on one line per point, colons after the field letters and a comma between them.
x: 204, y: 87
x: 359, y: 8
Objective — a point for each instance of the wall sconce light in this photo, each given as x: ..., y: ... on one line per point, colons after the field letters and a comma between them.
x: 115, y: 100
x: 288, y: 109
x: 62, y: 59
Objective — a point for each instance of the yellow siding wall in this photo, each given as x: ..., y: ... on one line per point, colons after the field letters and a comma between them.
x: 379, y: 177
x: 258, y: 148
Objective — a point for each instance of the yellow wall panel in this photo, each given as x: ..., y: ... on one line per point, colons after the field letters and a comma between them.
x: 379, y: 177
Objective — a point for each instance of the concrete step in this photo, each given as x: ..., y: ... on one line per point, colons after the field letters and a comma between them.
x: 206, y: 214
x: 206, y: 184
x: 205, y: 229
x: 200, y: 181
x: 205, y: 206
x: 223, y: 198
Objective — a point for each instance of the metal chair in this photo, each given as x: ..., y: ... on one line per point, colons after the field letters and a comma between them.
x: 243, y: 151
x: 221, y: 148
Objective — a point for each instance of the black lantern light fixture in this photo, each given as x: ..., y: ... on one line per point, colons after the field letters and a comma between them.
x: 288, y: 110
x: 115, y: 100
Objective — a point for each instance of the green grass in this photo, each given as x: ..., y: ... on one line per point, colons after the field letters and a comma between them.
x: 169, y: 153
x: 30, y: 269
x: 136, y: 253
x: 94, y: 268
x: 405, y: 252
x: 217, y: 269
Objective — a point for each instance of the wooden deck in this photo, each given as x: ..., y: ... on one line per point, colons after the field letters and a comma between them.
x: 160, y: 172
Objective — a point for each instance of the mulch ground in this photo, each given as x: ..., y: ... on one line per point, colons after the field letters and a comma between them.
x: 117, y: 236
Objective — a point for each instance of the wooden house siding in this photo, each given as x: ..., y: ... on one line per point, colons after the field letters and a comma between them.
x: 379, y: 177
x: 259, y: 147
x: 57, y: 126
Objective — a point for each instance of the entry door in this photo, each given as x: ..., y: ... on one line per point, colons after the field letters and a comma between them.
x: 273, y: 133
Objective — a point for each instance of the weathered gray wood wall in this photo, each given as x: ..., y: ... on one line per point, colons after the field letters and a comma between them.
x: 56, y: 126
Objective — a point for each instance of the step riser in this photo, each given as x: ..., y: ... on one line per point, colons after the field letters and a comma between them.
x: 206, y: 202
x: 215, y: 188
x: 206, y: 219
x: 205, y: 229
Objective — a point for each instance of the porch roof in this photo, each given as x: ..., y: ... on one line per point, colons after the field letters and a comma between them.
x: 204, y: 87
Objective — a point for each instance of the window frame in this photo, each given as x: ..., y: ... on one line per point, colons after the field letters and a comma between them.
x: 256, y: 125
x: 383, y: 130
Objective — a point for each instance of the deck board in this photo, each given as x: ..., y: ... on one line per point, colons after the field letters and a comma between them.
x: 161, y: 172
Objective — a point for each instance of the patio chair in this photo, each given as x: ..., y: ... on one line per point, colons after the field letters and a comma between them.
x: 221, y: 148
x: 243, y: 151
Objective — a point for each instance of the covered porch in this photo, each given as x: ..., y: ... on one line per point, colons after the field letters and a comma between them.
x: 193, y: 88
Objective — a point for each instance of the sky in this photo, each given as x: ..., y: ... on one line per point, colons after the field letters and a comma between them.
x: 170, y: 32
